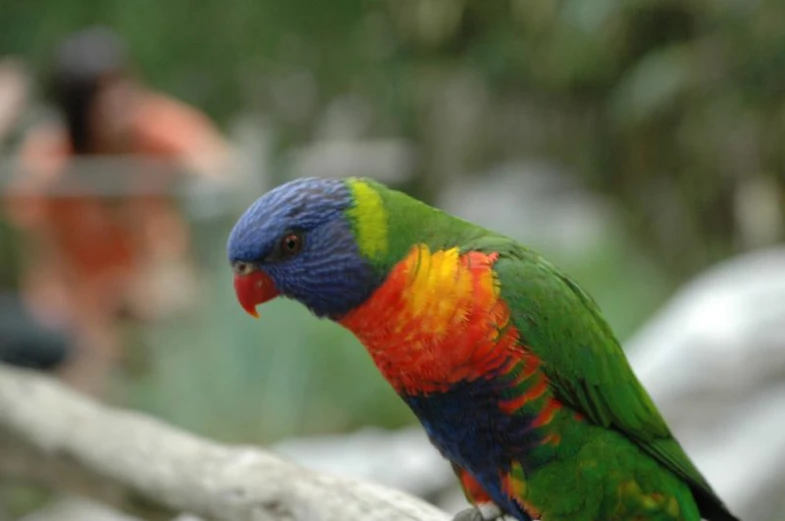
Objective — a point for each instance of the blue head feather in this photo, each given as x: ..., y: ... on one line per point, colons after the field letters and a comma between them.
x: 329, y: 275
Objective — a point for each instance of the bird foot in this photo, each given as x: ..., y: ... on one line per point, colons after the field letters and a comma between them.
x: 489, y: 512
x: 468, y: 514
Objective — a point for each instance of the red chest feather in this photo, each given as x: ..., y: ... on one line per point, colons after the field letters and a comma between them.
x: 436, y: 320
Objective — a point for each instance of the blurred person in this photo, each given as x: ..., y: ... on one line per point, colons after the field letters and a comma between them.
x: 24, y: 341
x: 92, y: 259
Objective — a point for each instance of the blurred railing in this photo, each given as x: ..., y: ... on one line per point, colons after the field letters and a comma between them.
x: 126, y: 177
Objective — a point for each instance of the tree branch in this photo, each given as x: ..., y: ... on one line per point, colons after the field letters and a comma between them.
x: 52, y: 434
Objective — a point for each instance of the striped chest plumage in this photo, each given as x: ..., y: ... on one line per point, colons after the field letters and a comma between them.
x: 435, y: 321
x: 439, y: 332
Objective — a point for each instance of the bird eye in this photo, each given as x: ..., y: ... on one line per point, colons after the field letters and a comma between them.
x: 291, y: 244
x: 243, y: 268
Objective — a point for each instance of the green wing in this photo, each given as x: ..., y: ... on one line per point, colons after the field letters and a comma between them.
x: 581, y: 356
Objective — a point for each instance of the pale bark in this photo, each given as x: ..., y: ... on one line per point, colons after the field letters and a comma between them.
x: 52, y: 434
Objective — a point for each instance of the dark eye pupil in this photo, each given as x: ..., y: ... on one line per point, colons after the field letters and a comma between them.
x: 291, y: 244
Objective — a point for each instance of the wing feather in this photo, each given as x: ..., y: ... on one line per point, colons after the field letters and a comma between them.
x: 581, y: 356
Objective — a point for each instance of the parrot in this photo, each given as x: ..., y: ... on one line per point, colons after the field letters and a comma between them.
x: 516, y: 377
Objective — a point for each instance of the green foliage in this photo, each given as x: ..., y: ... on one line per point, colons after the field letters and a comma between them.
x: 210, y: 53
x: 671, y: 108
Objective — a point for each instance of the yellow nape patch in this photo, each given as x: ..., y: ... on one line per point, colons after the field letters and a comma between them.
x: 370, y: 219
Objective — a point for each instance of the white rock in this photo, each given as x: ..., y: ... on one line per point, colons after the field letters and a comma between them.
x: 714, y: 361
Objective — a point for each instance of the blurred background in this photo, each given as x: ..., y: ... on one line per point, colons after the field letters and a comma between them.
x: 637, y: 144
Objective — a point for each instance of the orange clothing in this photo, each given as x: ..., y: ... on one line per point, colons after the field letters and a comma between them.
x: 98, y: 245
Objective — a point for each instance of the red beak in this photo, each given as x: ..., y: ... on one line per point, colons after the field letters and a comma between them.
x: 253, y: 289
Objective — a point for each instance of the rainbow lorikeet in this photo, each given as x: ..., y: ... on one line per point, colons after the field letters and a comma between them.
x: 507, y: 363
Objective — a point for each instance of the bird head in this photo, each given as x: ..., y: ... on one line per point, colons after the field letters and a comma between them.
x: 312, y: 240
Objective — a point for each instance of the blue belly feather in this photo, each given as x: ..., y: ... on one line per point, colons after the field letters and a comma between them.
x: 467, y: 426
